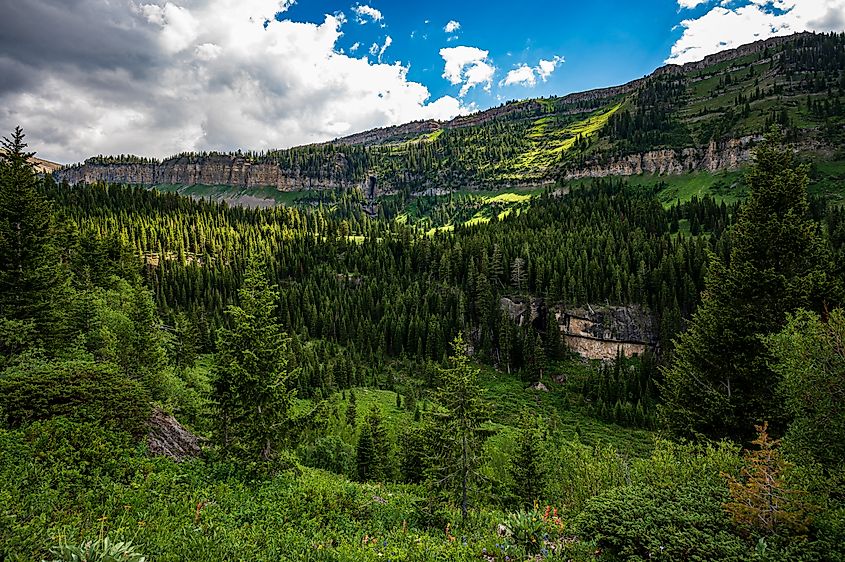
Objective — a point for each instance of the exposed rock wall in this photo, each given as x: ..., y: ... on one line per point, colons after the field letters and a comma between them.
x: 728, y: 155
x: 602, y: 332
x: 592, y: 332
x: 233, y: 171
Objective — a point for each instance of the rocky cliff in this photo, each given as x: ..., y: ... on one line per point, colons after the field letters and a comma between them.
x: 518, y: 143
x: 725, y: 155
x: 598, y: 333
x: 235, y: 171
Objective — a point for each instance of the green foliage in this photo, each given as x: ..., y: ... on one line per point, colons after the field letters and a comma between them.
x: 719, y: 383
x: 330, y: 453
x: 809, y: 356
x: 37, y: 390
x: 100, y: 550
x: 685, y: 522
x: 251, y: 374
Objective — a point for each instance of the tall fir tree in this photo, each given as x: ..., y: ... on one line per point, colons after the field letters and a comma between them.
x: 373, y: 451
x: 528, y: 465
x: 252, y: 373
x: 31, y: 273
x: 456, y: 469
x: 720, y: 383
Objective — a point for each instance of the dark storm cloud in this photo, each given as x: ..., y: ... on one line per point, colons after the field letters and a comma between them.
x: 50, y: 35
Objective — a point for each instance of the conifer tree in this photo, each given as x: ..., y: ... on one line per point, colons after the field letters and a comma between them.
x: 528, y: 464
x: 458, y: 460
x: 373, y: 451
x: 30, y: 270
x: 252, y: 372
x: 720, y: 383
x: 352, y: 410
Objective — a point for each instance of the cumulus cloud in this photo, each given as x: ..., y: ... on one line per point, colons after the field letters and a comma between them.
x: 365, y: 13
x: 452, y: 26
x: 527, y: 76
x: 86, y: 77
x: 732, y: 24
x: 468, y: 66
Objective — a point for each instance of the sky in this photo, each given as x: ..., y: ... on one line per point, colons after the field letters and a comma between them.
x: 159, y: 77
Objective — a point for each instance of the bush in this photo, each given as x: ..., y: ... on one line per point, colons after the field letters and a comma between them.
x: 645, y: 523
x: 81, y: 390
x: 330, y: 453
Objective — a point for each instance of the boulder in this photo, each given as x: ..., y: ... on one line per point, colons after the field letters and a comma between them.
x: 169, y: 438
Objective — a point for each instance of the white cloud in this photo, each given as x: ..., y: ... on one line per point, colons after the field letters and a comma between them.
x: 527, y: 76
x: 690, y: 4
x: 523, y: 74
x: 388, y: 41
x: 226, y: 83
x: 729, y: 25
x: 364, y: 12
x: 452, y: 26
x: 179, y: 28
x: 355, y: 46
x: 469, y: 66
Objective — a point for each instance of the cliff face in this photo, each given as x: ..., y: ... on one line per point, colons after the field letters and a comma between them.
x: 598, y: 333
x: 728, y: 155
x: 519, y: 144
x: 233, y: 171
x: 238, y: 172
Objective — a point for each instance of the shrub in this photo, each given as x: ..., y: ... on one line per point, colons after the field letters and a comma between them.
x: 330, y: 453
x: 643, y: 523
x: 79, y: 389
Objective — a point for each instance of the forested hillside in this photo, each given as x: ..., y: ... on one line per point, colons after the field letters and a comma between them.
x: 703, y: 116
x: 181, y: 379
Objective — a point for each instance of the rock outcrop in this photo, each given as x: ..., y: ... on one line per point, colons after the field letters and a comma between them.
x: 599, y: 332
x: 167, y: 437
x: 217, y: 169
x: 727, y: 155
x: 603, y: 332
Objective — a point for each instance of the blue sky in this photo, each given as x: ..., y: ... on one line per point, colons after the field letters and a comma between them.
x: 603, y: 42
x: 159, y: 77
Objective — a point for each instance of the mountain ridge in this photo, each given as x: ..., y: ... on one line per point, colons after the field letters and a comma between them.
x: 703, y: 115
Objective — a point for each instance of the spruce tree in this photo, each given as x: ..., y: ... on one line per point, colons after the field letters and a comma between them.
x: 719, y: 383
x: 528, y: 464
x: 252, y: 373
x: 31, y: 276
x: 352, y: 410
x: 373, y: 451
x: 456, y: 471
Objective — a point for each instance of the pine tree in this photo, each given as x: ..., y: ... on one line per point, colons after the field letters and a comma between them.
x: 761, y: 498
x: 528, y: 464
x: 373, y: 450
x: 364, y: 454
x: 460, y: 440
x: 352, y: 410
x: 31, y: 277
x: 719, y: 383
x: 252, y: 372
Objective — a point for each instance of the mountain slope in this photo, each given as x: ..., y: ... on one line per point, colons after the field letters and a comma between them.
x: 700, y: 116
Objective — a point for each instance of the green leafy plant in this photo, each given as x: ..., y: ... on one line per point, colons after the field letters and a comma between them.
x: 100, y: 550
